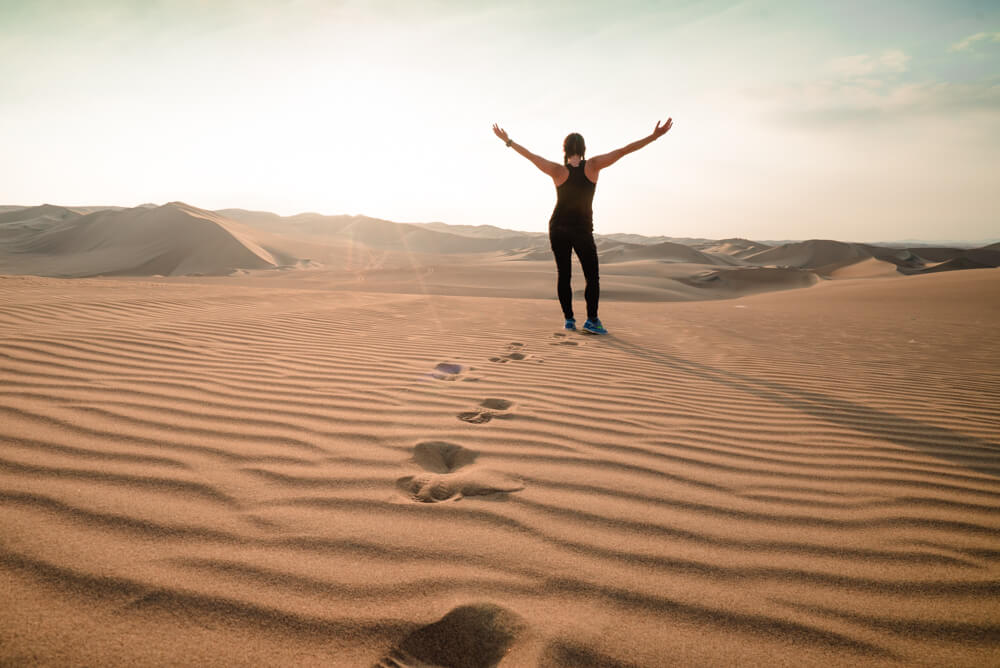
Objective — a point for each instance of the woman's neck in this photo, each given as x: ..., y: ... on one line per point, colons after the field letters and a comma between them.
x: 574, y: 160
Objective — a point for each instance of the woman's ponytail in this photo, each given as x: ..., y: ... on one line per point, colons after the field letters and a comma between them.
x: 573, y: 145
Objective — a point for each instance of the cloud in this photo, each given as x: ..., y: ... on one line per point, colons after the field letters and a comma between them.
x: 870, y: 89
x: 845, y: 103
x: 865, y: 64
x: 966, y: 44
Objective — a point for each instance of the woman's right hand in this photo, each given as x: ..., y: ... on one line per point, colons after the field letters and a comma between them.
x: 500, y: 132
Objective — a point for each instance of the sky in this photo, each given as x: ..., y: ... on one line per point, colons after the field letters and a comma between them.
x: 850, y: 120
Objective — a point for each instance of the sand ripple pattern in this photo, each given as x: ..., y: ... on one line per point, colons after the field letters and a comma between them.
x: 241, y: 468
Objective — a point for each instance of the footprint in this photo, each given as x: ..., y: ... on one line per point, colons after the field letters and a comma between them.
x: 472, y: 636
x: 427, y: 487
x: 447, y: 371
x: 564, y: 340
x: 451, y: 371
x: 496, y: 404
x: 511, y: 356
x: 449, y: 474
x: 442, y: 457
x: 560, y: 653
x: 515, y: 352
x: 476, y: 417
x: 490, y: 408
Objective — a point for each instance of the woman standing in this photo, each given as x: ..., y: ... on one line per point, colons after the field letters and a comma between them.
x: 571, y: 227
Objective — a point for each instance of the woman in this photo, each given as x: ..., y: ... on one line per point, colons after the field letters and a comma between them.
x: 571, y: 226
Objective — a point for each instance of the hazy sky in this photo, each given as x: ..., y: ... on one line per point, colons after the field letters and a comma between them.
x: 851, y: 120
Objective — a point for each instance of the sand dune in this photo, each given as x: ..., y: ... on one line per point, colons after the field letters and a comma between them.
x: 901, y: 258
x: 665, y: 252
x: 836, y: 259
x: 479, y: 231
x: 399, y: 458
x: 178, y: 239
x: 173, y: 239
x: 624, y: 237
x: 381, y: 234
x: 936, y: 254
x: 284, y: 470
x: 752, y: 280
x: 977, y: 258
x: 820, y: 254
x: 36, y: 214
x: 738, y: 248
x: 870, y: 268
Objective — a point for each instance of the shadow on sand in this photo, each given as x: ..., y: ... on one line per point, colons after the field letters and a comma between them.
x: 964, y: 450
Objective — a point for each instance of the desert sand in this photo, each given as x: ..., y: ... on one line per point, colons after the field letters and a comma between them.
x: 353, y: 443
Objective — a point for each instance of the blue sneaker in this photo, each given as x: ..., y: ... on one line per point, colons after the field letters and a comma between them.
x: 571, y: 324
x: 594, y: 326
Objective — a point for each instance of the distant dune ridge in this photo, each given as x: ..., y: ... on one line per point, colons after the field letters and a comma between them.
x: 816, y: 254
x: 178, y: 239
x: 170, y: 240
x: 739, y: 248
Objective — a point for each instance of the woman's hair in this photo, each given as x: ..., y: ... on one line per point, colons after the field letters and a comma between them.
x: 573, y: 145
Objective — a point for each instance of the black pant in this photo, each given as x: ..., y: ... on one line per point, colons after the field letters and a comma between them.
x: 564, y: 241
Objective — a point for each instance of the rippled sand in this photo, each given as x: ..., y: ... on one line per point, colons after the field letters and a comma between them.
x: 239, y: 472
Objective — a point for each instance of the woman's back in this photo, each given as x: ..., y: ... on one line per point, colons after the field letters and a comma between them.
x: 574, y: 200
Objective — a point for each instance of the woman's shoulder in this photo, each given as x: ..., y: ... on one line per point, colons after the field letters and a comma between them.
x: 561, y: 175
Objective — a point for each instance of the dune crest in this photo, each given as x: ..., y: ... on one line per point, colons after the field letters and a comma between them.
x: 819, y: 254
x: 178, y: 239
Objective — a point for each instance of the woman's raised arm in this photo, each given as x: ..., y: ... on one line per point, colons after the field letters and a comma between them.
x: 553, y: 169
x: 599, y: 162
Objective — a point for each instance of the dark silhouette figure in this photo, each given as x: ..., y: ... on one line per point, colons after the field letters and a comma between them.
x: 571, y: 227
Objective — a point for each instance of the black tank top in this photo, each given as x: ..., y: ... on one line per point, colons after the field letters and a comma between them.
x: 574, y: 201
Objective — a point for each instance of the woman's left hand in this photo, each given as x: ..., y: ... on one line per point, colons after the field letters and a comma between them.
x: 500, y: 132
